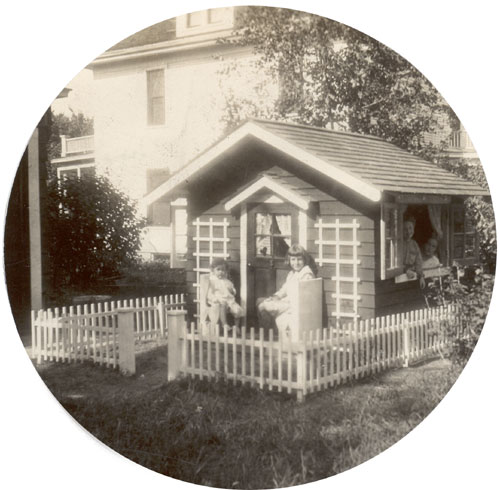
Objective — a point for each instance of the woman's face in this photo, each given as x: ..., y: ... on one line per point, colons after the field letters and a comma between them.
x: 297, y: 263
x: 408, y: 229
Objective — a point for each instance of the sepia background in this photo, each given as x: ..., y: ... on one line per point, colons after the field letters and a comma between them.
x: 453, y: 43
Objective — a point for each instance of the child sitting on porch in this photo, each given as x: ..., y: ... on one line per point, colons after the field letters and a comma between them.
x: 220, y: 297
x: 277, y: 306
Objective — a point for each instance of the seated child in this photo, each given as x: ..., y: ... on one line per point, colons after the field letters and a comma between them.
x: 221, y: 295
x: 277, y: 306
x: 429, y: 258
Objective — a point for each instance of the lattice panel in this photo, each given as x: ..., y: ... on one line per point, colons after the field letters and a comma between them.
x: 211, y: 239
x: 338, y: 247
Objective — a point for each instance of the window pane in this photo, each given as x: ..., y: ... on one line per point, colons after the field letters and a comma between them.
x: 458, y: 220
x: 87, y: 172
x: 282, y: 224
x: 469, y: 224
x: 215, y: 15
x: 156, y: 96
x: 181, y: 244
x: 263, y: 224
x: 458, y: 248
x: 157, y: 115
x: 388, y: 254
x: 263, y: 246
x: 194, y: 19
x: 470, y: 245
x: 280, y: 246
x: 69, y: 174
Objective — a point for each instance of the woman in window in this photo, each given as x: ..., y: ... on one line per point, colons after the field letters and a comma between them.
x: 412, y: 258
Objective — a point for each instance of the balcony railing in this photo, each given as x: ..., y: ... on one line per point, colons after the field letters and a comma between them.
x: 460, y: 140
x: 73, y: 146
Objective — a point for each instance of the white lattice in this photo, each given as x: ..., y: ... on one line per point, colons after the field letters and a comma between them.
x: 209, y: 254
x: 334, y: 258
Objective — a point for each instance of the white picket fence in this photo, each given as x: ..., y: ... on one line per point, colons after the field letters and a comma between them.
x: 324, y: 358
x: 94, y: 331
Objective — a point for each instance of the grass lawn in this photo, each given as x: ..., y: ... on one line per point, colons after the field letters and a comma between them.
x: 220, y: 435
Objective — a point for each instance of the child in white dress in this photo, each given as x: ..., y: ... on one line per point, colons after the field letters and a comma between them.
x: 221, y: 295
x: 277, y: 307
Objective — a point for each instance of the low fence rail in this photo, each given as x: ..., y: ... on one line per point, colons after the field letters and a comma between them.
x: 94, y: 331
x: 324, y: 358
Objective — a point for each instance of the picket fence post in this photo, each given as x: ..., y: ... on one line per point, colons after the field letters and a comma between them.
x: 176, y: 320
x: 161, y: 318
x: 406, y: 342
x: 301, y: 372
x: 126, y: 340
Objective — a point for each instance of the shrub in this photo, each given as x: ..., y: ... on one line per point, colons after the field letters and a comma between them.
x: 470, y: 289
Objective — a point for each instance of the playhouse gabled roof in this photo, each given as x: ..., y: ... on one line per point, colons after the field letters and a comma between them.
x: 366, y: 164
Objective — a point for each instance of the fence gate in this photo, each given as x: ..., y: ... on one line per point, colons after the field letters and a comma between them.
x: 211, y: 239
x: 338, y: 248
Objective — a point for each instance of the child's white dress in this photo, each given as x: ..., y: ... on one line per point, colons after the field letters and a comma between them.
x: 278, y: 305
x: 221, y: 297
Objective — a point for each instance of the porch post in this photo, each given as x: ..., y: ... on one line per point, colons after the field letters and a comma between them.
x: 244, y: 259
x: 176, y: 320
x: 126, y: 340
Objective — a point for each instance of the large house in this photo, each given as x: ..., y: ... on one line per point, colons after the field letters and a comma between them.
x: 160, y: 100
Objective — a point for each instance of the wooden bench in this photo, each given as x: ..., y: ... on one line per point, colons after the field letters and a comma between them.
x: 306, y: 313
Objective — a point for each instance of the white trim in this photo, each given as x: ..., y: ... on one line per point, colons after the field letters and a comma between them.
x: 244, y: 259
x: 303, y: 228
x: 266, y: 182
x: 74, y: 167
x: 382, y: 243
x: 181, y: 201
x: 252, y: 129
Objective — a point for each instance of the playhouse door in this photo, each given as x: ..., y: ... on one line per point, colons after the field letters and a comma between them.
x: 272, y: 228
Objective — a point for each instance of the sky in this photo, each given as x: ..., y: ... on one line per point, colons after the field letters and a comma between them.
x: 454, y: 43
x: 79, y: 99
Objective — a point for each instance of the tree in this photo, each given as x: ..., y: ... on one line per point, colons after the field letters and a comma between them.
x: 331, y: 75
x: 93, y: 232
x: 72, y: 127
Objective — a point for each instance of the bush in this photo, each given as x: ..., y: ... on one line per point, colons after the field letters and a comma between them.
x: 471, y: 291
x: 93, y: 232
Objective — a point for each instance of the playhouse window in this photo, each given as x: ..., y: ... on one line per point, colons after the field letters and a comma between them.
x: 391, y: 219
x: 430, y: 221
x: 273, y: 234
x: 464, y: 240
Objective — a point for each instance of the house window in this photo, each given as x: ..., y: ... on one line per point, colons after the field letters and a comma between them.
x: 464, y: 239
x: 76, y: 172
x: 156, y: 97
x: 273, y: 235
x: 204, y: 21
x: 194, y: 19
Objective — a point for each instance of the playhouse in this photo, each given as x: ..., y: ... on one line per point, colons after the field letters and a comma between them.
x: 343, y: 196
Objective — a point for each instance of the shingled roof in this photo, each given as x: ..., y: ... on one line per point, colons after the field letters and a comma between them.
x: 367, y: 164
x: 373, y: 160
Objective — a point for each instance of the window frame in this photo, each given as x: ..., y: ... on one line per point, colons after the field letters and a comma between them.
x: 462, y: 260
x: 150, y: 98
x: 272, y: 235
x: 385, y: 271
x: 226, y: 22
x: 78, y: 168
